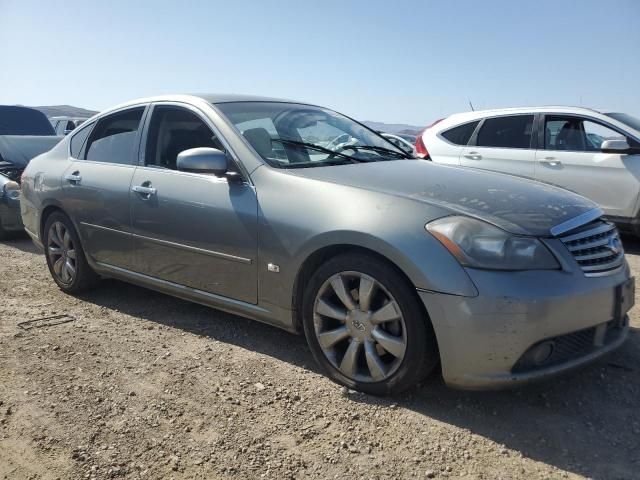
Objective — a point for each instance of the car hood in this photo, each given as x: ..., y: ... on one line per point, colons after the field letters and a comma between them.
x: 517, y: 205
x: 19, y: 149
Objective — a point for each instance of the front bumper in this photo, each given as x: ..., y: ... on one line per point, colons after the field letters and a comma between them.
x: 10, y: 218
x: 485, y: 341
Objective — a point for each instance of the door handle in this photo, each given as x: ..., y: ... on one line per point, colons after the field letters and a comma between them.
x: 74, y: 178
x: 551, y: 161
x: 143, y: 190
x: 473, y: 156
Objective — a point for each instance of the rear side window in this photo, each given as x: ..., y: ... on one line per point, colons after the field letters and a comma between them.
x: 513, y: 131
x: 461, y: 134
x: 78, y: 139
x: 113, y: 138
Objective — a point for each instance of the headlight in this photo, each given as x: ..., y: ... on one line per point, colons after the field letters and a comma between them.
x: 11, y: 189
x: 479, y: 244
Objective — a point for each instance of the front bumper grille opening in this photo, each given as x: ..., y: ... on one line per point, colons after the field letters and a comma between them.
x: 568, y: 347
x: 596, y: 247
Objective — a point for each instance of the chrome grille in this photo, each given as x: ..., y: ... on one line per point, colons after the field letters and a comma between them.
x: 596, y: 247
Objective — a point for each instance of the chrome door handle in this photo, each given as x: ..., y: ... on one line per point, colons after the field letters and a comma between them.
x: 551, y: 161
x: 144, y: 191
x: 73, y: 178
x: 473, y: 156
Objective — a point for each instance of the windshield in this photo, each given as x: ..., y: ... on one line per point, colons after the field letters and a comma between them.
x: 24, y: 121
x: 290, y: 135
x: 633, y: 122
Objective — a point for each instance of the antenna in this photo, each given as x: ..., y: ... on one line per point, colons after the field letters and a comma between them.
x: 471, y: 105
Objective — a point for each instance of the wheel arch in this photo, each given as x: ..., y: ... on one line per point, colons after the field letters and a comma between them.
x: 46, y: 213
x: 317, y: 257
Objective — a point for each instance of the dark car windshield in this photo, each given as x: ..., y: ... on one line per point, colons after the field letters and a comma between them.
x: 633, y: 122
x: 23, y: 121
x: 290, y: 135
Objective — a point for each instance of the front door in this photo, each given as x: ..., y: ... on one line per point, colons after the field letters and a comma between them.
x: 192, y: 229
x: 97, y: 185
x: 502, y: 144
x: 571, y: 158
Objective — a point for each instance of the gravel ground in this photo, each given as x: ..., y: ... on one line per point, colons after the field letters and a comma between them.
x: 142, y: 385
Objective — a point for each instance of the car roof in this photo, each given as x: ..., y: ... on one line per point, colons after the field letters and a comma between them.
x: 228, y: 98
x: 513, y: 110
x: 458, y: 118
x: 214, y: 98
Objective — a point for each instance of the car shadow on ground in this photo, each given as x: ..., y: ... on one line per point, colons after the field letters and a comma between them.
x: 22, y: 242
x: 580, y: 422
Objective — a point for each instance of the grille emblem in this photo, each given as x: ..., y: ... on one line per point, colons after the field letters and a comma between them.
x: 614, y: 245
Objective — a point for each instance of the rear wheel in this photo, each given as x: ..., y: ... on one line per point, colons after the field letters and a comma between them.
x: 366, y: 327
x: 65, y: 257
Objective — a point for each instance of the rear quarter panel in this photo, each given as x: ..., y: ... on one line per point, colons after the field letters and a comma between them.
x: 41, y: 186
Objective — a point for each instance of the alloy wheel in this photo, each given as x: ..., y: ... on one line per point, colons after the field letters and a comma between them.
x: 62, y: 253
x: 359, y: 327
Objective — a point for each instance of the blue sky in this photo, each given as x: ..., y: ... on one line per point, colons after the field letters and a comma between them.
x: 401, y: 61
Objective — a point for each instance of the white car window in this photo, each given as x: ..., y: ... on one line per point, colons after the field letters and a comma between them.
x: 513, y: 131
x: 576, y: 134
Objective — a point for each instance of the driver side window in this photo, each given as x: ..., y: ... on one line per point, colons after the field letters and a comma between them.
x: 576, y: 134
x: 173, y: 130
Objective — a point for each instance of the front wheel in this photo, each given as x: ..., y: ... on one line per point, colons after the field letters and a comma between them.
x: 65, y: 257
x: 366, y: 327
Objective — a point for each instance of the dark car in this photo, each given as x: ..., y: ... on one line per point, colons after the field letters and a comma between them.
x: 24, y: 134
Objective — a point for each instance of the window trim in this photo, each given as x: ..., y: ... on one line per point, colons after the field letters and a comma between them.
x: 231, y: 154
x: 543, y: 124
x: 77, y: 131
x: 473, y: 141
x: 444, y: 139
x: 136, y: 142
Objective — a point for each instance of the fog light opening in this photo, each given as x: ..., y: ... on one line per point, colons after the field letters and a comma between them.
x: 543, y: 352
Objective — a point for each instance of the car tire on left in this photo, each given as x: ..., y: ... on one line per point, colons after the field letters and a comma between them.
x: 65, y: 256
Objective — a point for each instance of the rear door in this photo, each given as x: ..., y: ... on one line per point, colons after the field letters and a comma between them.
x: 194, y: 229
x: 97, y: 185
x: 503, y: 144
x: 570, y: 157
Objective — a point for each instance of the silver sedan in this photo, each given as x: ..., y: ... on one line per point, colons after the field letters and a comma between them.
x: 300, y: 217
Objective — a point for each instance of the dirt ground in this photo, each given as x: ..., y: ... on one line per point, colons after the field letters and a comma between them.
x: 142, y: 385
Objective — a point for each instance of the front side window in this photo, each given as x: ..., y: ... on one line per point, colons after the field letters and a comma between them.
x: 173, y: 130
x: 576, y: 134
x: 289, y: 135
x: 461, y: 134
x: 513, y: 131
x: 113, y: 138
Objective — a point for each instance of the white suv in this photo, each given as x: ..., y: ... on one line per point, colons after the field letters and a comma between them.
x: 594, y: 154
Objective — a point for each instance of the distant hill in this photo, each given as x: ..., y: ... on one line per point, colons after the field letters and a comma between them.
x: 393, y: 127
x: 65, y: 111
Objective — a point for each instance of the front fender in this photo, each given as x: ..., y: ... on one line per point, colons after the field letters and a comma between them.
x: 298, y: 217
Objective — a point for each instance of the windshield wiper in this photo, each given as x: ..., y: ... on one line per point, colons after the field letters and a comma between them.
x: 313, y: 146
x: 379, y: 150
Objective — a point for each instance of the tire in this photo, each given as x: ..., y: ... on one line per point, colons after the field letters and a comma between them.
x: 70, y: 280
x: 379, y: 364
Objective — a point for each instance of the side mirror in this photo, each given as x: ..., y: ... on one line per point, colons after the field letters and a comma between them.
x: 615, y: 146
x: 203, y: 160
